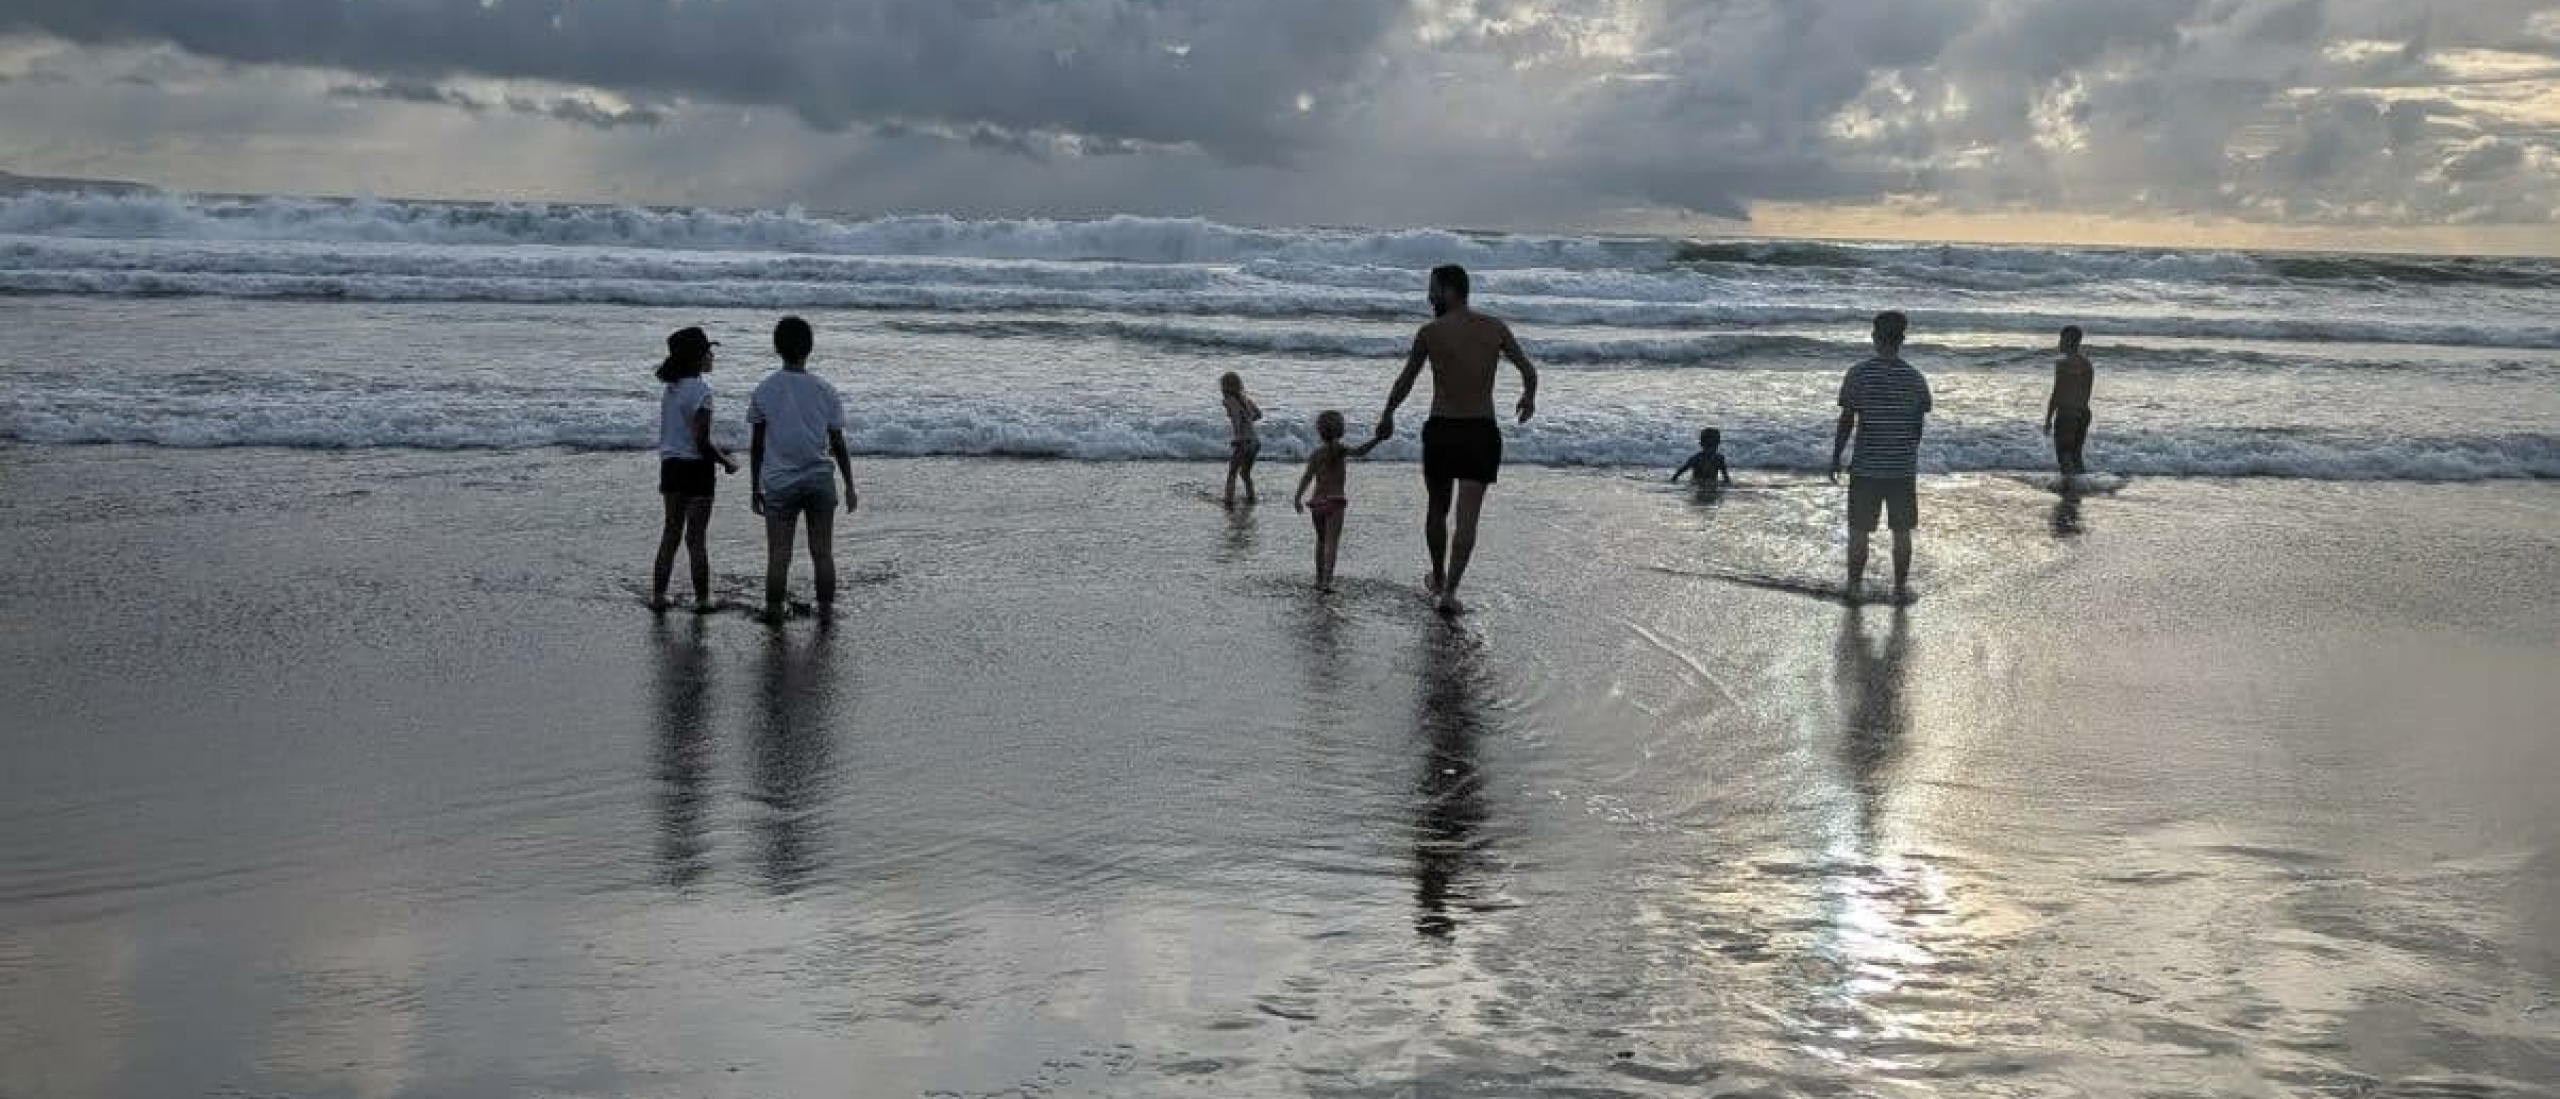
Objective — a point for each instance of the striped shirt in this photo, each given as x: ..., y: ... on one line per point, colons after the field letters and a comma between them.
x: 1890, y: 399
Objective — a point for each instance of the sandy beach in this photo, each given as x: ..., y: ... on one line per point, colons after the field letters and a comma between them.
x: 364, y: 774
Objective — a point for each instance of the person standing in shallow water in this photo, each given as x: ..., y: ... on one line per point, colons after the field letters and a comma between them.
x: 799, y: 427
x: 1462, y: 441
x: 1244, y: 443
x: 1328, y: 473
x: 2066, y: 413
x: 1883, y: 403
x: 689, y: 464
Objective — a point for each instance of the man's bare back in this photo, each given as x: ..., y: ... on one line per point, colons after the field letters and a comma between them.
x: 1465, y: 349
x: 2073, y: 377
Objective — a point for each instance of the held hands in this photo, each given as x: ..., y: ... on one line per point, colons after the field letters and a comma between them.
x: 1386, y: 427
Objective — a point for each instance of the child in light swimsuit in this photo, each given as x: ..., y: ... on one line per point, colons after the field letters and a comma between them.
x: 1243, y: 445
x: 1327, y: 471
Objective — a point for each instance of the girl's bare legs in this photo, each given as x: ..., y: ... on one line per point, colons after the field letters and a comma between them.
x: 1233, y: 464
x: 822, y: 556
x: 778, y: 536
x: 669, y: 537
x: 1324, y: 574
x: 1328, y: 550
x: 697, y: 529
x: 1244, y: 468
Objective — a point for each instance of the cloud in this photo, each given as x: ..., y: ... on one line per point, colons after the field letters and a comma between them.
x: 1213, y: 71
x: 408, y: 91
x: 575, y: 109
x: 1465, y: 111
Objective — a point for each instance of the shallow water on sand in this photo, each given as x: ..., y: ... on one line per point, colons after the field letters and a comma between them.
x: 365, y: 775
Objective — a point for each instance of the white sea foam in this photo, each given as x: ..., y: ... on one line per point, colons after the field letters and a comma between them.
x: 2219, y: 350
x: 992, y: 292
x: 1133, y: 239
x: 920, y: 427
x: 1179, y: 241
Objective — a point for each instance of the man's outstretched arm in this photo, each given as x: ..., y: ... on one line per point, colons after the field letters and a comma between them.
x: 1528, y: 375
x: 1413, y: 361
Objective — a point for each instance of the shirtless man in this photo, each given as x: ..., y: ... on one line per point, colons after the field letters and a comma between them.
x: 1462, y: 442
x: 2066, y: 414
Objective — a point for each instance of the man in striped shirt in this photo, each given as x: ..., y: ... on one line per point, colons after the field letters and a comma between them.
x: 1882, y: 403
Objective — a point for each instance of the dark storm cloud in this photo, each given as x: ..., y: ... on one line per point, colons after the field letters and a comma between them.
x: 1491, y: 110
x: 1216, y: 72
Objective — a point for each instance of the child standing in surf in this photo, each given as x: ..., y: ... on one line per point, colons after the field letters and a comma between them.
x: 688, y: 464
x: 1328, y: 470
x: 1243, y: 444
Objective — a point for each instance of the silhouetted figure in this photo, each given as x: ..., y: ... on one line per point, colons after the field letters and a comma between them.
x: 1329, y: 473
x: 684, y: 751
x: 1448, y: 826
x: 799, y: 426
x: 689, y: 464
x: 792, y: 754
x: 2066, y: 413
x: 1708, y: 463
x: 1244, y: 444
x: 1883, y: 403
x: 1462, y: 441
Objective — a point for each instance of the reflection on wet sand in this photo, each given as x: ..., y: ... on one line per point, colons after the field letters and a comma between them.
x: 1875, y: 721
x: 1321, y: 628
x: 1240, y: 536
x: 793, y: 754
x: 1891, y: 918
x: 2066, y: 516
x: 1448, y: 828
x: 683, y: 710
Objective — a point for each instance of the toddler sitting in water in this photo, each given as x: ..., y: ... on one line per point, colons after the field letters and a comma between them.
x: 1327, y: 470
x: 1708, y: 463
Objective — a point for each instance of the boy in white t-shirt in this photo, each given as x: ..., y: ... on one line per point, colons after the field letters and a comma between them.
x: 688, y: 462
x: 799, y: 428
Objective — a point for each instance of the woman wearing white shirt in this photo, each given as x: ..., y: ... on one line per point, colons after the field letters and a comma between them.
x: 686, y: 463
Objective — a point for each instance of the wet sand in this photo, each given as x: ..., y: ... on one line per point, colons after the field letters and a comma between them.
x: 365, y: 774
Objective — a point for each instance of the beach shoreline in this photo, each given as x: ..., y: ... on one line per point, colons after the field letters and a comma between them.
x: 364, y: 773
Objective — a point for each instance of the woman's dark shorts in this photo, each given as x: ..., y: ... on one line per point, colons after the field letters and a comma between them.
x: 688, y: 477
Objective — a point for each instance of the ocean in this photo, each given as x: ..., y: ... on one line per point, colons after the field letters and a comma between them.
x: 342, y: 760
x: 211, y: 322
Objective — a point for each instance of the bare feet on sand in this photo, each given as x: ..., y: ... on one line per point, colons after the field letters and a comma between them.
x: 1448, y: 604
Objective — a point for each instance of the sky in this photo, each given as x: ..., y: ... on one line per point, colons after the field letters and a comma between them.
x: 2409, y: 124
